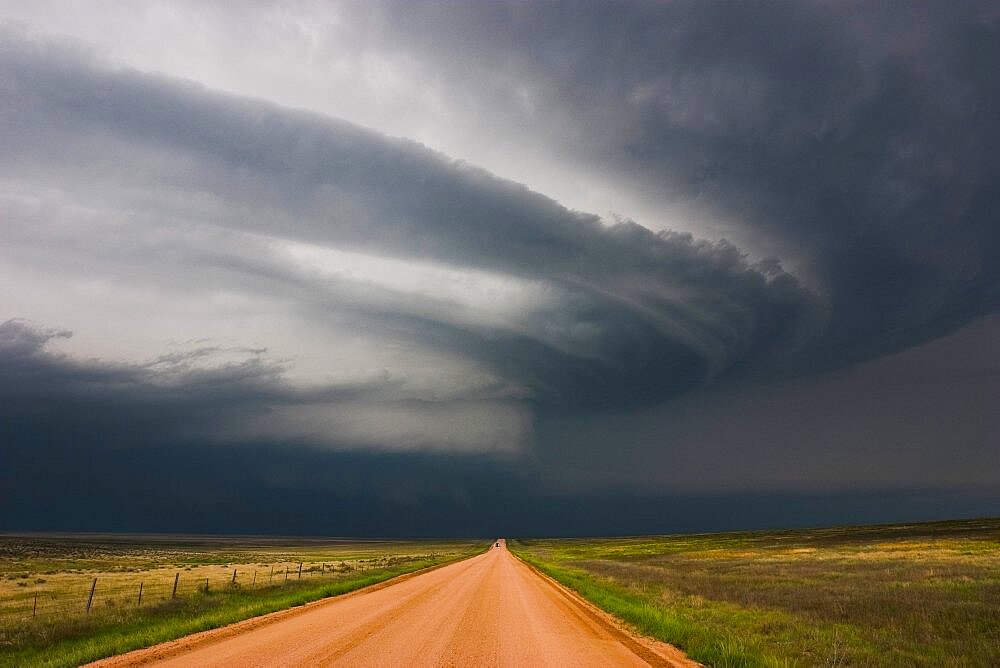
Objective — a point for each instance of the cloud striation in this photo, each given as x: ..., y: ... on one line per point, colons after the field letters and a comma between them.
x: 188, y: 268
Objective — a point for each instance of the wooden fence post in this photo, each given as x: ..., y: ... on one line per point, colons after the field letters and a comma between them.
x: 206, y: 585
x: 254, y: 583
x: 271, y: 576
x: 286, y: 573
x: 300, y: 570
x: 139, y: 602
x: 174, y: 593
x: 34, y: 606
x: 234, y: 577
x: 90, y: 599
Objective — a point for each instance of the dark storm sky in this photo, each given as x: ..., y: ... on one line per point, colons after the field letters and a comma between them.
x: 421, y: 268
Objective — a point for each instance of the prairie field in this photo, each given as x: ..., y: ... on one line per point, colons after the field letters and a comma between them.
x: 46, y: 583
x: 901, y: 595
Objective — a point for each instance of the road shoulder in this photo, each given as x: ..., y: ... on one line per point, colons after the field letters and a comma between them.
x: 654, y: 652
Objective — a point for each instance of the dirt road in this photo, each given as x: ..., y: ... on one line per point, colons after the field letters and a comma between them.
x: 490, y: 610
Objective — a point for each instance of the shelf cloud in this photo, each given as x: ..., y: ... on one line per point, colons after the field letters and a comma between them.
x: 560, y: 245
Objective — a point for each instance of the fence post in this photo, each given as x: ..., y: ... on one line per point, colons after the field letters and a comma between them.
x: 300, y: 570
x: 234, y: 577
x: 174, y: 593
x: 206, y: 585
x: 271, y: 576
x: 139, y: 602
x: 90, y: 599
x: 254, y: 583
x: 286, y: 573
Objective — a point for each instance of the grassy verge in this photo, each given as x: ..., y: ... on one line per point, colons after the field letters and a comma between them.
x: 913, y: 595
x: 701, y: 642
x: 80, y: 639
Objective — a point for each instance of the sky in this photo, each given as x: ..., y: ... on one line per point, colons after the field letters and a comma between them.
x: 487, y: 268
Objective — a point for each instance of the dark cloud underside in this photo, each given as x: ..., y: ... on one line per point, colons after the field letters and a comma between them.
x: 219, y: 309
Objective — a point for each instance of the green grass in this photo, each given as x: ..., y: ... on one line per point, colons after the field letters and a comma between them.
x: 902, y: 595
x: 68, y: 636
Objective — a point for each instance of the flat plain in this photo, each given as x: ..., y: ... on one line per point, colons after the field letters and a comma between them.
x: 896, y: 595
x: 901, y: 595
x: 46, y: 583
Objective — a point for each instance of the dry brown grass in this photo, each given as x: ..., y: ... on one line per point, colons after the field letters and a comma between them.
x: 58, y: 572
x: 926, y: 594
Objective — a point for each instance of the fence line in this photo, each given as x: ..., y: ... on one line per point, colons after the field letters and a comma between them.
x: 113, y: 591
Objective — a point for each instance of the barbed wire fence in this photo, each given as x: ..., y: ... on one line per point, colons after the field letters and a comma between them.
x: 45, y: 598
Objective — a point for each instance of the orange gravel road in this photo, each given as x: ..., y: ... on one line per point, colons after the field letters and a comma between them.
x: 490, y: 610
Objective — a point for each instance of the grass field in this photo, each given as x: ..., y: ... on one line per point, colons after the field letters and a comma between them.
x: 902, y: 595
x: 45, y: 583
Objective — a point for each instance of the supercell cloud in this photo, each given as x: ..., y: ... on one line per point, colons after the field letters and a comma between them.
x: 399, y: 253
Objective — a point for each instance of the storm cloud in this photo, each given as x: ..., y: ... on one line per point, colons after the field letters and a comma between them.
x: 558, y: 245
